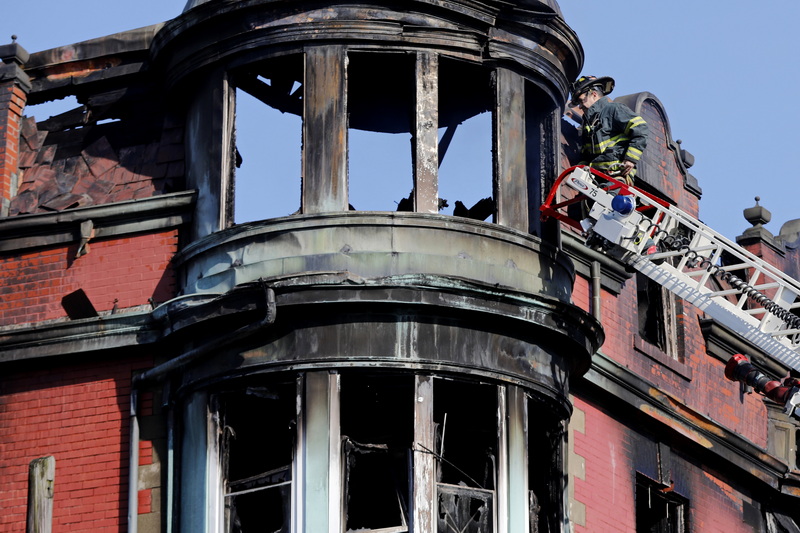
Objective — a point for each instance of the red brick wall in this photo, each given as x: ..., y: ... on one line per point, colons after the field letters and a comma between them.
x: 611, y: 449
x: 716, y: 505
x: 130, y: 270
x: 661, y: 159
x: 701, y: 386
x: 78, y: 413
x: 12, y: 102
x: 607, y: 489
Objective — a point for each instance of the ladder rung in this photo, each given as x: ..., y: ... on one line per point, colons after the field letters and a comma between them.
x: 694, y: 283
x: 771, y: 285
x: 726, y: 292
x: 786, y: 333
x: 663, y: 255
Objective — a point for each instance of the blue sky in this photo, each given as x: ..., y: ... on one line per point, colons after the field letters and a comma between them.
x: 724, y: 74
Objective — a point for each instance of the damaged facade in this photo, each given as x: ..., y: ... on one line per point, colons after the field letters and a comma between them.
x: 336, y: 369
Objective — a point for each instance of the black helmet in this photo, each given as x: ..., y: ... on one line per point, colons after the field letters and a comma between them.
x: 584, y: 83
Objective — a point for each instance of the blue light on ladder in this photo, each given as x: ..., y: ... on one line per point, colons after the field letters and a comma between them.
x: 624, y: 205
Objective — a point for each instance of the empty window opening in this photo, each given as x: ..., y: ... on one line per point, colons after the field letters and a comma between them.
x: 658, y: 311
x: 465, y: 415
x: 542, y: 147
x: 465, y: 138
x: 650, y: 303
x: 465, y: 510
x: 380, y: 106
x: 258, y: 445
x: 658, y: 508
x: 377, y: 433
x: 268, y: 141
x: 465, y: 167
x: 380, y: 172
x: 465, y: 418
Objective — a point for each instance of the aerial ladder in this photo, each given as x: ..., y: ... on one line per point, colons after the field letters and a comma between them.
x: 752, y: 298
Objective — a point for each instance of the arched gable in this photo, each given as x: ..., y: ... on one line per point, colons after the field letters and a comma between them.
x: 665, y: 164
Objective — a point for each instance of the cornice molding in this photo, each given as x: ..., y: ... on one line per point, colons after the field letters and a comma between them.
x: 112, y: 220
x: 671, y: 416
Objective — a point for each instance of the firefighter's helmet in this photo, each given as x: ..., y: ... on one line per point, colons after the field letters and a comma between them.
x: 584, y: 83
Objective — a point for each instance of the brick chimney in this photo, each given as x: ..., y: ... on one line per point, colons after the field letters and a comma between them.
x: 14, y: 87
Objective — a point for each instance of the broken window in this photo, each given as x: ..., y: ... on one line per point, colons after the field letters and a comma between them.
x: 268, y: 139
x: 658, y: 508
x: 465, y: 415
x: 465, y: 174
x: 657, y: 310
x: 380, y: 104
x: 545, y: 466
x: 267, y: 144
x: 258, y: 442
x: 465, y: 139
x: 377, y: 426
x: 465, y: 510
x: 377, y: 432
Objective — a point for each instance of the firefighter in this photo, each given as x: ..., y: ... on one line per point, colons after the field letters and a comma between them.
x: 613, y: 137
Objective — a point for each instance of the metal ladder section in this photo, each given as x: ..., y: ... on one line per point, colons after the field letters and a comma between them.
x: 688, y: 259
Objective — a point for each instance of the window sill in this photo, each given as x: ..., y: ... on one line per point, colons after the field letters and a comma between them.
x: 660, y: 357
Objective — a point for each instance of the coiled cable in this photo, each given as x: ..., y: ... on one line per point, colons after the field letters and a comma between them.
x: 695, y: 260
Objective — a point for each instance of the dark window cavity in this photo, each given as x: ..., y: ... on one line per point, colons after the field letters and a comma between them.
x: 658, y: 508
x: 377, y: 434
x: 545, y: 464
x: 259, y: 425
x: 465, y: 416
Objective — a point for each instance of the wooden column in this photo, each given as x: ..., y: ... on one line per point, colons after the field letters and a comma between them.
x: 325, y: 130
x: 209, y: 129
x: 424, y: 501
x: 517, y: 479
x: 543, y: 134
x: 426, y: 139
x: 321, y: 450
x: 510, y: 176
x: 41, y: 485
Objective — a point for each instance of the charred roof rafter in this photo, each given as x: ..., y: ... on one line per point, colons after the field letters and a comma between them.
x: 539, y: 42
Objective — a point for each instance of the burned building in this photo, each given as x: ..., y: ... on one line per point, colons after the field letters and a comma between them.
x: 167, y: 367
